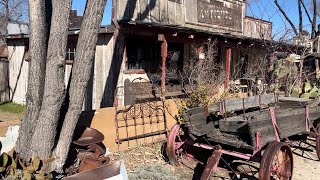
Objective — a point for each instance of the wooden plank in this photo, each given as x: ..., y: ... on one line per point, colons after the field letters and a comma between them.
x: 172, y: 12
x: 164, y: 11
x: 190, y: 11
x: 179, y: 16
x: 236, y: 125
x: 293, y: 99
x: 155, y: 11
x: 290, y: 121
x: 248, y: 102
x: 121, y: 10
x: 144, y: 10
x: 4, y: 81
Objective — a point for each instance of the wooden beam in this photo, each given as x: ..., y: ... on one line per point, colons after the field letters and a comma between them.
x: 164, y: 54
x: 227, y: 74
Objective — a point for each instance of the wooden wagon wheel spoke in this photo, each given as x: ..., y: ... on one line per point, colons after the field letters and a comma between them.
x: 277, y: 162
x: 175, y: 143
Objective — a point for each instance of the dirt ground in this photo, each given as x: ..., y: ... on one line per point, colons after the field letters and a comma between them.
x: 6, y: 116
x: 306, y: 164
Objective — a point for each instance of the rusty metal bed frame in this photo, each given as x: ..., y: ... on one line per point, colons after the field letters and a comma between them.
x: 142, y: 110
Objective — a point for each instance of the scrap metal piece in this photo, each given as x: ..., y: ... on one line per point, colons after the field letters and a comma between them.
x: 114, y: 170
x: 88, y: 163
x: 212, y: 164
x: 90, y: 136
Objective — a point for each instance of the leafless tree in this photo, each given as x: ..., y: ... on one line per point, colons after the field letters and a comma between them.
x: 14, y: 10
x: 46, y: 92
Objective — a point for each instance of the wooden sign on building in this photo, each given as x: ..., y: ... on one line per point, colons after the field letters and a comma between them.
x: 209, y: 15
x: 220, y: 13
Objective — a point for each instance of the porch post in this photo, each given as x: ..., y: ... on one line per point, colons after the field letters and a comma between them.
x: 164, y: 54
x: 227, y: 75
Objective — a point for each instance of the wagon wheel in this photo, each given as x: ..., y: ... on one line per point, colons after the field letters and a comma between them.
x: 318, y: 141
x: 277, y: 162
x: 174, y: 143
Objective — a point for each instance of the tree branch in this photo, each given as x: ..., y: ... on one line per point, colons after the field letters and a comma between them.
x: 287, y: 18
x: 314, y: 21
x: 300, y: 16
x: 305, y: 10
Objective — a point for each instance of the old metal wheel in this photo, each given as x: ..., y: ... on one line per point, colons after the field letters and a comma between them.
x: 174, y: 143
x: 276, y: 163
x: 318, y: 142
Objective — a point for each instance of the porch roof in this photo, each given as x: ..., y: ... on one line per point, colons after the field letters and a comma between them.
x: 172, y: 29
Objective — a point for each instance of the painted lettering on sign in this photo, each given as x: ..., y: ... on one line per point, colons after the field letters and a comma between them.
x: 221, y: 13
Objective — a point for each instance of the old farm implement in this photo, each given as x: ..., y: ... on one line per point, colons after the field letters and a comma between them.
x: 255, y: 128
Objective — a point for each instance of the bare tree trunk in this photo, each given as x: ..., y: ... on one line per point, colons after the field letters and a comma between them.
x: 314, y: 20
x: 42, y: 141
x: 306, y: 11
x: 300, y: 17
x: 81, y: 72
x: 38, y: 52
x: 6, y: 4
x: 287, y: 18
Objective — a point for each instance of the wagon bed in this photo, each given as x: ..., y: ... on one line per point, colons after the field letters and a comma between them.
x: 240, y: 130
x: 243, y: 128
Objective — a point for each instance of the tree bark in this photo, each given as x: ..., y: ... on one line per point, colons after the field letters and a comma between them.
x: 81, y: 72
x: 6, y: 2
x: 314, y: 20
x: 287, y: 18
x: 300, y: 17
x: 43, y: 139
x: 38, y: 43
x: 306, y: 11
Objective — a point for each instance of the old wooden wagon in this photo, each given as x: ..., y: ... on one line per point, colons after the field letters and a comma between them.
x: 255, y: 128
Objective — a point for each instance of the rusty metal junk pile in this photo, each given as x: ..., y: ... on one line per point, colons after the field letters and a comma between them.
x: 91, y: 161
x: 92, y: 154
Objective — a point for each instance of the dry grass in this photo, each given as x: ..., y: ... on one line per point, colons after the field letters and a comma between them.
x: 142, y: 155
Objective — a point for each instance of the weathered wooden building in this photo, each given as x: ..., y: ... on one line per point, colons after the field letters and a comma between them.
x: 98, y: 91
x: 146, y: 35
x: 4, y: 75
x: 156, y: 30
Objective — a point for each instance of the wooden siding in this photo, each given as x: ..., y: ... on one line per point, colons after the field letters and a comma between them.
x: 18, y: 71
x: 99, y: 89
x: 4, y: 80
x: 257, y: 28
x: 185, y: 13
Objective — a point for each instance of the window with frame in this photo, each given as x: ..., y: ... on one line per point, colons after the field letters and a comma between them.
x: 71, y: 52
x: 143, y: 54
x: 71, y: 49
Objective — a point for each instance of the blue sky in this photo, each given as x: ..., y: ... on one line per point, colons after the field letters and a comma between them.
x: 267, y: 10
x: 80, y: 5
x: 264, y: 9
